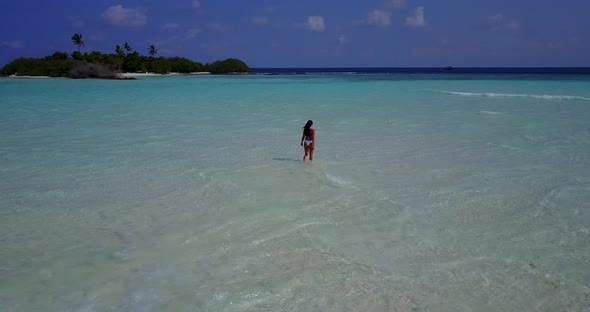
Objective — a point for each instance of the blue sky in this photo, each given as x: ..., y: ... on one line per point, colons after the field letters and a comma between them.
x: 310, y: 33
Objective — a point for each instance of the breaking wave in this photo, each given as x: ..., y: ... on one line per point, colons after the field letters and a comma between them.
x: 535, y: 96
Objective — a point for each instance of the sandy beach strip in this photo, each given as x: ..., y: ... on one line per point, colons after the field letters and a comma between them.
x: 134, y: 75
x: 119, y: 75
x: 32, y: 77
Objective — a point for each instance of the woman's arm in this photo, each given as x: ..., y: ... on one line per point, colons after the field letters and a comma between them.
x: 302, y: 137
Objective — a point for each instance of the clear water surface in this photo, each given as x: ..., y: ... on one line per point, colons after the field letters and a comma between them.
x: 428, y: 193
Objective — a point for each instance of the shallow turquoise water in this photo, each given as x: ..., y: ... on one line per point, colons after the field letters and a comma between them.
x: 188, y: 194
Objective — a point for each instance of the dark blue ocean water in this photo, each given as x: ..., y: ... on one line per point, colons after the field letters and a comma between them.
x: 491, y: 72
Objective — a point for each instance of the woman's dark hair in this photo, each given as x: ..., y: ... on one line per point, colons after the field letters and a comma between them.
x: 306, y: 128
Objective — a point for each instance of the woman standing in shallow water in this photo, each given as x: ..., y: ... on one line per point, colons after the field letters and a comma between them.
x: 308, y: 140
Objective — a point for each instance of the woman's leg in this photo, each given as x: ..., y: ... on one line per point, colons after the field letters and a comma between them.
x: 306, y: 148
x: 311, y: 153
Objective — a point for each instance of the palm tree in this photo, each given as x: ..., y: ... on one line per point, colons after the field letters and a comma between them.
x: 95, y: 56
x: 127, y: 47
x: 152, y: 50
x: 120, y: 54
x: 77, y: 40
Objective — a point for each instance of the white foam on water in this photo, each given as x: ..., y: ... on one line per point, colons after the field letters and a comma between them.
x: 337, y: 180
x: 535, y: 96
x: 490, y: 112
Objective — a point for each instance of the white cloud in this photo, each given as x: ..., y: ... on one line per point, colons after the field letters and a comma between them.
x: 379, y: 18
x: 500, y: 22
x: 168, y: 26
x: 259, y: 20
x: 119, y: 16
x: 196, y: 4
x: 12, y: 44
x: 316, y: 23
x: 395, y: 4
x: 418, y: 19
x: 191, y: 33
x: 343, y: 39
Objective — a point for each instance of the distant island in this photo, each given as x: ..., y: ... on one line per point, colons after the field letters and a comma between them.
x: 111, y: 66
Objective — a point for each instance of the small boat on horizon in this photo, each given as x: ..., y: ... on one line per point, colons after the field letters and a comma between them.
x: 449, y: 68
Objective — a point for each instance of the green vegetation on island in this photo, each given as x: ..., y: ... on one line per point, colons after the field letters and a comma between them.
x: 102, y: 65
